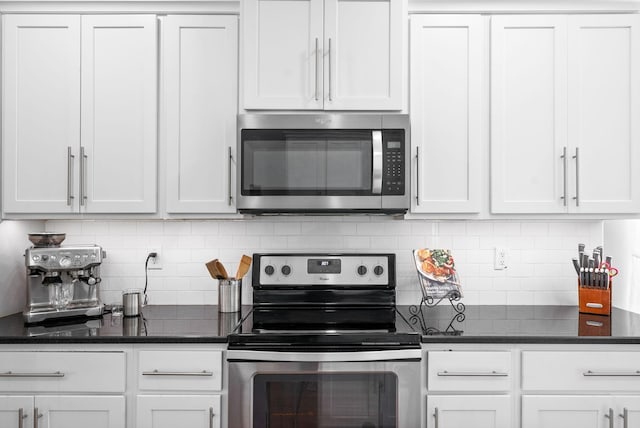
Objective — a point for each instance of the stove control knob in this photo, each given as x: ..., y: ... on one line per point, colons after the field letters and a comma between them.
x: 378, y: 270
x: 65, y: 261
x: 286, y: 270
x: 269, y: 270
x: 362, y: 270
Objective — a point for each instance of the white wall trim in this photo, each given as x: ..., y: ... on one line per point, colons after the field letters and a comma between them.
x: 120, y: 6
x: 522, y: 6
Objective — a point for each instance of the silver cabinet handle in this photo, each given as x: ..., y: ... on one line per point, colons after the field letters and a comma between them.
x: 211, y: 415
x: 564, y: 174
x: 592, y: 373
x: 83, y: 176
x: 577, y: 158
x: 625, y: 418
x: 12, y: 374
x: 330, y: 97
x: 70, y: 158
x: 376, y: 173
x: 230, y: 201
x: 316, y: 66
x: 417, y: 175
x: 492, y: 373
x: 159, y: 373
x: 610, y: 417
x: 435, y: 417
x: 21, y: 417
x: 36, y: 416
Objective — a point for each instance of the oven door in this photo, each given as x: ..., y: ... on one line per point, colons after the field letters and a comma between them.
x: 368, y: 389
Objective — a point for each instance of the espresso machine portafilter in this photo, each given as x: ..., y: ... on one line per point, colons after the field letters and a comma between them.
x: 62, y: 281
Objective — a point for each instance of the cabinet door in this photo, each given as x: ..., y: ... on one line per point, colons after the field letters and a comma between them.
x: 604, y: 97
x: 170, y: 411
x: 282, y: 42
x: 628, y: 409
x: 80, y: 412
x: 565, y: 411
x: 446, y: 53
x: 363, y: 54
x: 119, y: 114
x: 16, y: 411
x: 528, y: 114
x: 40, y: 112
x: 201, y: 91
x: 455, y: 411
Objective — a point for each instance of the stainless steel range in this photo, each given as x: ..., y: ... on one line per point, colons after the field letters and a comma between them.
x: 324, y: 346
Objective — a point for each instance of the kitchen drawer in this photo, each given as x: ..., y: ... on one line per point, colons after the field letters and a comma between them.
x: 180, y: 370
x: 25, y: 371
x: 581, y: 371
x: 469, y: 371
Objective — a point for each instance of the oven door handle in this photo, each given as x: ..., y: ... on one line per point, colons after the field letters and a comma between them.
x: 376, y: 173
x: 239, y: 356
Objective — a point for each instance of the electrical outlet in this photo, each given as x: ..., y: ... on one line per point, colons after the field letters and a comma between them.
x: 500, y: 258
x: 155, y: 263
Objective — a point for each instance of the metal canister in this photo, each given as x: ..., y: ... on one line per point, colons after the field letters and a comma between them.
x: 229, y: 295
x: 132, y: 303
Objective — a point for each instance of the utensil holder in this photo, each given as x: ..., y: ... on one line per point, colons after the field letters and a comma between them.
x: 229, y: 295
x: 132, y: 303
x: 595, y: 300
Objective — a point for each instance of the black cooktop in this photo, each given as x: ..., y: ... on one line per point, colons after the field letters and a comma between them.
x: 320, y: 328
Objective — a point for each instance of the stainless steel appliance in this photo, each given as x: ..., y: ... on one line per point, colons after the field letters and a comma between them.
x: 62, y: 281
x: 323, y: 163
x: 324, y: 346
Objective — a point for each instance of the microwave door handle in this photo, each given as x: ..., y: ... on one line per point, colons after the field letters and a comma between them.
x: 376, y: 175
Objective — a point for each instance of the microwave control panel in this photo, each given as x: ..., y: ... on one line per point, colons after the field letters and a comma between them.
x: 393, y: 163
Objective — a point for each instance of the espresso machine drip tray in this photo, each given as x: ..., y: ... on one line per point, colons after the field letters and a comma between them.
x: 62, y: 282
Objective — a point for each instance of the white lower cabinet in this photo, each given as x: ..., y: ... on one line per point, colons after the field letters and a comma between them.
x: 590, y: 411
x: 169, y: 411
x: 62, y: 411
x: 477, y: 411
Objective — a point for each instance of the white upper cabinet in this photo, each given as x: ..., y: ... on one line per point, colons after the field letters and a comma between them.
x: 40, y: 112
x: 119, y: 113
x: 564, y: 97
x: 79, y: 113
x: 200, y: 106
x: 323, y: 54
x: 604, y: 109
x: 446, y: 112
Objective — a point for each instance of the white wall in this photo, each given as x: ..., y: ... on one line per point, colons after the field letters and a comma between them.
x: 622, y: 242
x: 540, y: 252
x: 13, y: 242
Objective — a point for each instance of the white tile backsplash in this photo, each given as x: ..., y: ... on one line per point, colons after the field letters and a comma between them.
x: 539, y: 253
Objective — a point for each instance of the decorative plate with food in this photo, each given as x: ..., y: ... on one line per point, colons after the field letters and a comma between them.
x: 435, y: 264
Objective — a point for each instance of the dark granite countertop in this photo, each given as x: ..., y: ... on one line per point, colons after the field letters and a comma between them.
x: 479, y: 324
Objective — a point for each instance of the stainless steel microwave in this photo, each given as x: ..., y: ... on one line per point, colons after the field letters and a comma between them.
x: 323, y: 163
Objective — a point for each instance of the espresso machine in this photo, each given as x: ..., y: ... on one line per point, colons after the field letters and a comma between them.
x: 62, y: 281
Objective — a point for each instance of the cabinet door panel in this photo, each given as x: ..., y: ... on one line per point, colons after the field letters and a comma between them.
x: 200, y: 80
x: 282, y: 54
x: 446, y: 54
x: 528, y: 114
x: 119, y: 113
x: 565, y: 411
x: 81, y: 412
x: 457, y: 411
x: 604, y: 93
x: 12, y: 407
x: 41, y: 112
x: 170, y: 411
x: 363, y: 66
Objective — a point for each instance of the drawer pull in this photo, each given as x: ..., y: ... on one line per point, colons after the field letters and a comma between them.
x: 610, y: 417
x: 592, y: 373
x: 21, y: 417
x: 159, y: 373
x: 489, y: 374
x: 12, y: 374
x: 625, y: 418
x: 211, y: 413
x: 594, y: 305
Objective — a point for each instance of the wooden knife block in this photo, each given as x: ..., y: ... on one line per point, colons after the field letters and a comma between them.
x: 594, y: 325
x: 595, y: 300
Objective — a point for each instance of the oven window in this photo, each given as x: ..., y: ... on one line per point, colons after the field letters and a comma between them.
x: 306, y: 162
x: 325, y: 400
